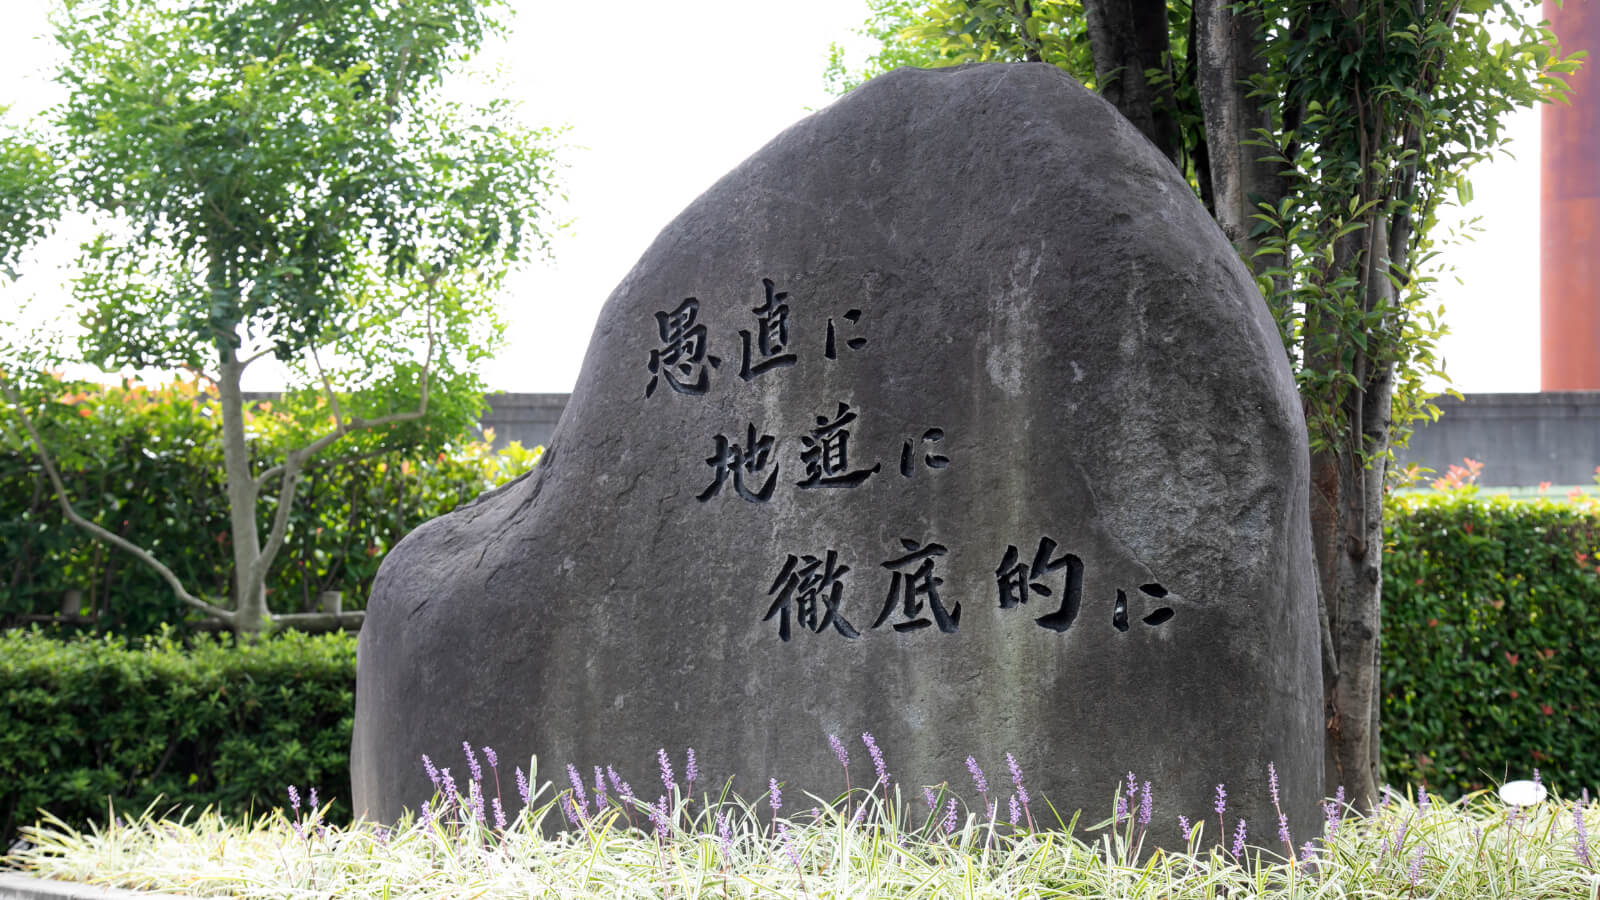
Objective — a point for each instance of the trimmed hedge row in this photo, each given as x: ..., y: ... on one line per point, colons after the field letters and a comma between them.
x: 1491, y: 641
x: 214, y: 723
x: 1490, y: 667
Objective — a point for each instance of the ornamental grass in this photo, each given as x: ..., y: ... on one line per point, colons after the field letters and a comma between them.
x: 868, y: 843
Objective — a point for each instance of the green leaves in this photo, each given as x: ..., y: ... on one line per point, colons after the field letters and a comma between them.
x: 281, y: 159
x: 30, y: 192
x: 212, y: 724
x: 951, y: 32
x: 1489, y: 658
x: 145, y: 461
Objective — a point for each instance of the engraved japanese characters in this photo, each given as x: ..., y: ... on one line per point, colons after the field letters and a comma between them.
x: 950, y: 416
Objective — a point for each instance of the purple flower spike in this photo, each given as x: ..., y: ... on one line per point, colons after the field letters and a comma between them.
x: 1133, y: 786
x: 1580, y: 842
x: 1238, y: 841
x: 489, y: 754
x: 431, y: 769
x: 839, y: 751
x: 1122, y: 810
x: 1283, y: 830
x: 691, y: 771
x: 929, y: 797
x: 775, y: 795
x: 1414, y: 872
x: 1272, y: 782
x: 294, y: 798
x: 1184, y: 827
x: 1536, y: 778
x: 861, y: 813
x: 599, y: 790
x: 658, y: 816
x: 581, y: 799
x: 313, y: 800
x: 877, y: 758
x: 978, y: 780
x: 1332, y: 816
x: 1016, y: 811
x: 449, y: 785
x: 616, y: 783
x: 725, y: 836
x: 1147, y: 806
x: 1016, y: 779
x: 950, y: 816
x: 499, y: 815
x: 424, y: 815
x: 472, y: 762
x: 626, y: 792
x: 1422, y: 800
x: 667, y: 778
x: 1307, y: 852
x: 523, y: 790
x: 788, y: 845
x: 1221, y: 805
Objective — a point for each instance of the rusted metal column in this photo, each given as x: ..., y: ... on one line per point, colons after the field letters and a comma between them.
x: 1569, y: 212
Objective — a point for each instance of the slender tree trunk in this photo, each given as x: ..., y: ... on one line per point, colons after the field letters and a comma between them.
x: 1226, y: 56
x: 1347, y: 501
x: 1346, y: 494
x: 250, y: 602
x: 1128, y: 39
x: 1347, y: 526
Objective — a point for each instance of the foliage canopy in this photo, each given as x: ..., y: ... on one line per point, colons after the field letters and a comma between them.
x: 289, y: 178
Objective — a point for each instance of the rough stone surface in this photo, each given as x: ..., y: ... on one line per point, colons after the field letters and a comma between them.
x: 1042, y: 339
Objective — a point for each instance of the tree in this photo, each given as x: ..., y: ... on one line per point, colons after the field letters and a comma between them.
x: 1323, y: 137
x: 284, y: 178
x: 30, y: 194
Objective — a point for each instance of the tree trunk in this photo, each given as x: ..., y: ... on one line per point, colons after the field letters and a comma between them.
x: 1347, y: 526
x: 1226, y: 56
x: 1128, y: 39
x: 250, y: 602
x: 1346, y: 494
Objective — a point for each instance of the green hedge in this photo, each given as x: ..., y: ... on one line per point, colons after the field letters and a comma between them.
x: 146, y: 462
x: 214, y: 723
x: 1491, y: 666
x: 1491, y: 641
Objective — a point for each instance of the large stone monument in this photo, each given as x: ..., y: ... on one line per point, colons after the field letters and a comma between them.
x: 949, y: 416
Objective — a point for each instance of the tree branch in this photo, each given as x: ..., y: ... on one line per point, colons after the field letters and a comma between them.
x: 327, y: 387
x: 312, y: 623
x: 255, y: 357
x: 295, y: 460
x: 100, y: 533
x: 315, y: 622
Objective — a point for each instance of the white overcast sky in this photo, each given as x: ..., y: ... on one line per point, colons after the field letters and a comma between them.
x: 662, y: 99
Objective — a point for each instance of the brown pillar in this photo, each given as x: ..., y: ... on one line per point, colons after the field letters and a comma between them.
x: 1569, y: 212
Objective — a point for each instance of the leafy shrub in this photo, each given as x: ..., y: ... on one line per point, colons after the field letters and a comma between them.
x: 213, y: 724
x: 146, y: 462
x: 1491, y: 640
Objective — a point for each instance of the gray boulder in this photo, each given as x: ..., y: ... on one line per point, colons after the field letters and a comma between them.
x: 949, y: 416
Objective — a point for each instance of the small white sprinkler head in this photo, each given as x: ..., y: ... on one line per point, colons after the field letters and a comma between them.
x: 1522, y: 793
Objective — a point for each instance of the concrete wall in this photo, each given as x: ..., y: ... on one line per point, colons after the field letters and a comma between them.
x: 529, y: 418
x: 1521, y: 439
